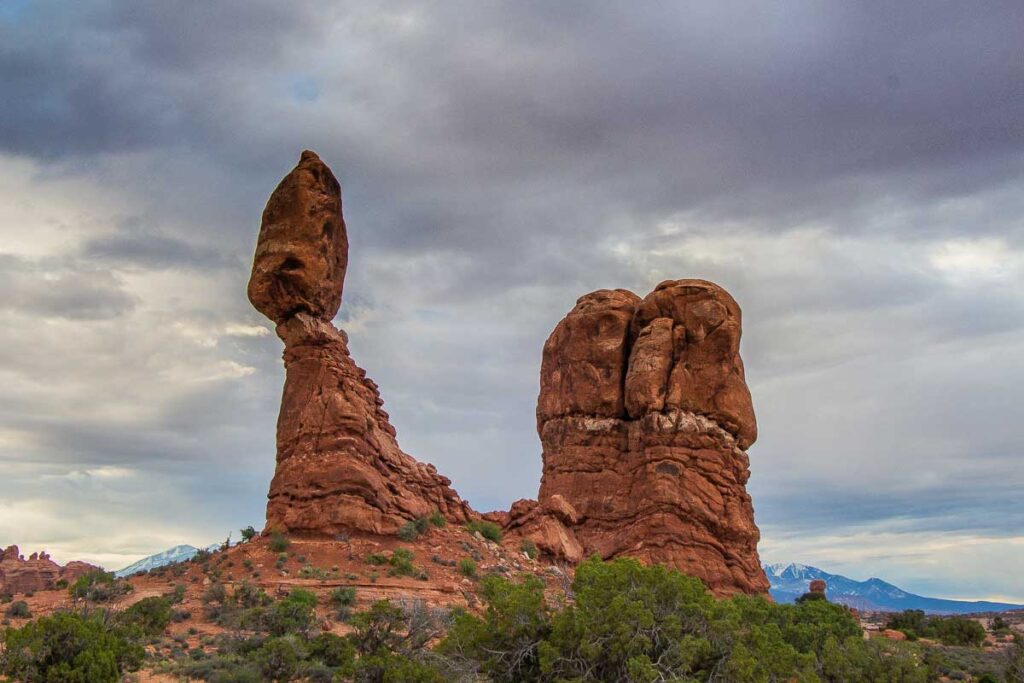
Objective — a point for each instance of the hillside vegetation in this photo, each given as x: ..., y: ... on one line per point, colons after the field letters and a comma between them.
x: 620, y: 621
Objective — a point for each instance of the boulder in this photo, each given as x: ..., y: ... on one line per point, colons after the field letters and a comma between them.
x: 302, y: 250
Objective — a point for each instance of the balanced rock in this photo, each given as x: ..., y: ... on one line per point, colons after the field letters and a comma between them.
x: 302, y: 251
x: 645, y: 417
x: 339, y: 466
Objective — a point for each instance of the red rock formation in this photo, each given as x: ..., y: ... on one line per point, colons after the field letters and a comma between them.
x: 817, y: 586
x: 643, y: 413
x: 645, y: 417
x: 339, y: 467
x: 37, y: 573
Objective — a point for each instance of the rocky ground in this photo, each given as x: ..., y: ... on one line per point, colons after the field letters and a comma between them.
x: 440, y: 567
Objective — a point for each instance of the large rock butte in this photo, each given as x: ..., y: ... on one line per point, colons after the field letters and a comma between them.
x: 645, y: 417
x: 339, y: 467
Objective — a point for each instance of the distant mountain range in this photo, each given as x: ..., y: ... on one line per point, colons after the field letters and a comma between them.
x: 789, y: 581
x: 179, y: 553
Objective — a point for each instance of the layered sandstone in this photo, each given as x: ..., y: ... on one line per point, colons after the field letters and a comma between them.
x: 36, y: 573
x: 644, y: 415
x: 339, y: 466
x: 645, y: 418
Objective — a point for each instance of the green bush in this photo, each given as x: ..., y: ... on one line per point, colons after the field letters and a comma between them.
x: 530, y: 548
x: 98, y: 586
x: 150, y: 615
x: 401, y: 563
x: 216, y: 592
x: 278, y: 542
x: 279, y: 659
x: 410, y: 531
x: 70, y: 648
x: 19, y: 609
x: 953, y: 630
x: 504, y: 643
x: 630, y: 622
x: 437, y: 519
x: 376, y: 559
x: 248, y: 533
x: 467, y: 567
x: 292, y: 615
x: 488, y: 530
x: 333, y: 651
x: 343, y: 597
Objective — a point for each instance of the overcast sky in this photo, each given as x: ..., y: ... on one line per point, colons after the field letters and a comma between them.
x: 851, y: 172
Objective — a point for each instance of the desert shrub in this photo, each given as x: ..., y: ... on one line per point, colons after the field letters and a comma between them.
x: 343, y: 597
x: 408, y: 532
x: 488, y: 530
x: 467, y: 567
x: 437, y: 519
x: 635, y: 623
x: 401, y: 563
x: 178, y: 594
x: 98, y: 586
x: 216, y: 592
x: 953, y: 630
x: 247, y: 596
x: 376, y: 559
x: 808, y: 597
x: 150, y: 615
x: 294, y: 614
x: 957, y: 631
x: 390, y: 643
x: 72, y: 648
x: 248, y: 533
x: 504, y: 643
x: 278, y: 542
x: 530, y: 548
x: 19, y: 609
x: 333, y: 651
x: 279, y: 659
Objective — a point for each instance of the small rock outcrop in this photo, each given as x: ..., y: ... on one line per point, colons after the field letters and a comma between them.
x: 37, y: 573
x: 339, y: 466
x: 645, y: 418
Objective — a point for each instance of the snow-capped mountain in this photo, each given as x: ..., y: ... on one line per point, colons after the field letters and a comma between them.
x: 179, y: 553
x: 790, y: 581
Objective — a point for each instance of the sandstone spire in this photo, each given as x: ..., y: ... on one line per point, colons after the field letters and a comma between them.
x: 339, y: 467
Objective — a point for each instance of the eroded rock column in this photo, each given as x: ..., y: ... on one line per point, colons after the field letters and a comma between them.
x: 339, y: 466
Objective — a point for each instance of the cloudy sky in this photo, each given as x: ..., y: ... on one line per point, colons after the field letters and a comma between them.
x: 851, y: 172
